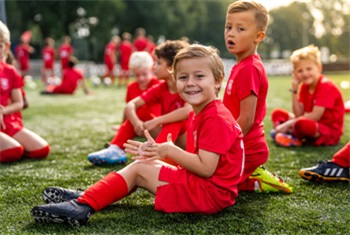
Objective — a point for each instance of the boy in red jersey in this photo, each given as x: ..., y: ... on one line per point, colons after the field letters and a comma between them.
x: 174, y: 111
x: 140, y: 42
x: 65, y: 51
x: 206, y: 180
x: 318, y: 107
x: 141, y: 64
x: 110, y: 57
x: 22, y: 52
x: 16, y: 141
x: 48, y: 55
x: 125, y: 51
x: 246, y: 91
x: 336, y: 169
x: 71, y: 78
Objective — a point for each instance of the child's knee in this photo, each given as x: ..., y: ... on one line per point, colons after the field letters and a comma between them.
x: 304, y: 127
x: 278, y: 116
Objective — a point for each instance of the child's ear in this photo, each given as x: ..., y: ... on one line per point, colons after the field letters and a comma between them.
x: 260, y: 36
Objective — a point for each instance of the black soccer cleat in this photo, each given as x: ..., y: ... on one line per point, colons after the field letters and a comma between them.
x: 325, y: 171
x: 57, y: 195
x: 71, y: 213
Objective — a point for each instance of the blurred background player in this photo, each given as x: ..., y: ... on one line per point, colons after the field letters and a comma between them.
x: 16, y: 141
x: 337, y: 169
x: 65, y: 51
x: 318, y: 106
x: 125, y: 51
x: 110, y: 58
x: 22, y: 51
x: 71, y: 79
x: 141, y: 65
x: 140, y: 42
x: 48, y: 55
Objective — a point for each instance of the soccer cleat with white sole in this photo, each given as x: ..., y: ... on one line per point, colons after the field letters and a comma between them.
x: 325, y: 171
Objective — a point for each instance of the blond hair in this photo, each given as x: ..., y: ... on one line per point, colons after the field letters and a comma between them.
x: 260, y: 13
x: 309, y: 52
x: 200, y: 51
x: 4, y: 33
x: 140, y: 59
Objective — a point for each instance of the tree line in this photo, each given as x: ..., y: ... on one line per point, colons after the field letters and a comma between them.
x: 91, y: 24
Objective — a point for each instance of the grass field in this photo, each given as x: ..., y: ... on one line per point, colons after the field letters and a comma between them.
x: 77, y: 125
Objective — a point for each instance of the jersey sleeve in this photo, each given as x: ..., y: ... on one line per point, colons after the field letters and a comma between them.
x: 248, y: 82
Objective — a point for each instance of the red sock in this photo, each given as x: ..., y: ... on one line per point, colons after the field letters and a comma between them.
x: 247, y: 185
x: 305, y: 128
x: 39, y: 153
x: 11, y: 154
x: 109, y: 189
x: 278, y: 116
x: 342, y: 157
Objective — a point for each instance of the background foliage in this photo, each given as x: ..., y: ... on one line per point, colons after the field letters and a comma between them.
x: 92, y: 23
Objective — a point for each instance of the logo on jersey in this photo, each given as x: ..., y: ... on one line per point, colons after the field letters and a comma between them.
x: 229, y: 87
x: 4, y: 83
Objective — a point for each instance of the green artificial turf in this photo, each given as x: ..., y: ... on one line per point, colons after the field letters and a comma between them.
x: 77, y: 125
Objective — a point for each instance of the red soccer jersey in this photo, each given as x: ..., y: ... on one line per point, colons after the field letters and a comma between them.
x: 22, y: 53
x: 70, y: 80
x: 212, y: 194
x: 9, y: 80
x: 326, y: 95
x: 160, y: 94
x: 141, y: 43
x: 65, y: 51
x: 246, y: 78
x: 110, y: 50
x: 48, y: 55
x: 125, y: 51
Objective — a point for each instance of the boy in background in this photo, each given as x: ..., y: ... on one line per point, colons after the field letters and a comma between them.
x: 110, y: 57
x: 48, y: 55
x: 318, y: 106
x: 246, y: 91
x: 141, y: 64
x: 125, y: 51
x: 65, y: 51
x: 22, y: 52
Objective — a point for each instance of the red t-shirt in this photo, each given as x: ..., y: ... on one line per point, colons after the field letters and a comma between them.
x: 48, y: 55
x: 160, y: 94
x: 70, y: 80
x: 140, y: 43
x: 326, y: 95
x: 246, y: 78
x: 65, y: 51
x: 22, y: 53
x: 9, y: 80
x: 110, y: 50
x: 125, y: 51
x: 214, y: 130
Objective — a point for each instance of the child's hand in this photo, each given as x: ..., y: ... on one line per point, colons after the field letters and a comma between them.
x: 295, y: 81
x: 143, y: 151
x: 138, y: 128
x: 151, y: 124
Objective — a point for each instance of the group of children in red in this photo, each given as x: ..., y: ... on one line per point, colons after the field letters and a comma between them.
x: 190, y: 166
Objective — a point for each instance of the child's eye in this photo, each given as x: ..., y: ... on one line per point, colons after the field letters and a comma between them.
x: 199, y: 76
x: 182, y: 77
x: 240, y: 29
x: 228, y: 27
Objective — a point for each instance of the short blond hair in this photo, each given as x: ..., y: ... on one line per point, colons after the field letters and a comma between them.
x: 199, y: 51
x: 140, y: 59
x: 309, y: 52
x: 260, y: 13
x: 4, y: 33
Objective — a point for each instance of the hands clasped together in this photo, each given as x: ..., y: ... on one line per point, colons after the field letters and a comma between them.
x: 149, y: 150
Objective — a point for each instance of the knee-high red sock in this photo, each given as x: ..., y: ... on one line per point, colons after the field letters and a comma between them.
x: 342, y: 157
x: 279, y: 116
x: 305, y: 128
x: 39, y: 153
x: 109, y: 189
x: 11, y: 154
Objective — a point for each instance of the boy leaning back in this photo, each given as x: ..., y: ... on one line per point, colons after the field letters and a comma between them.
x: 210, y: 169
x: 246, y: 90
